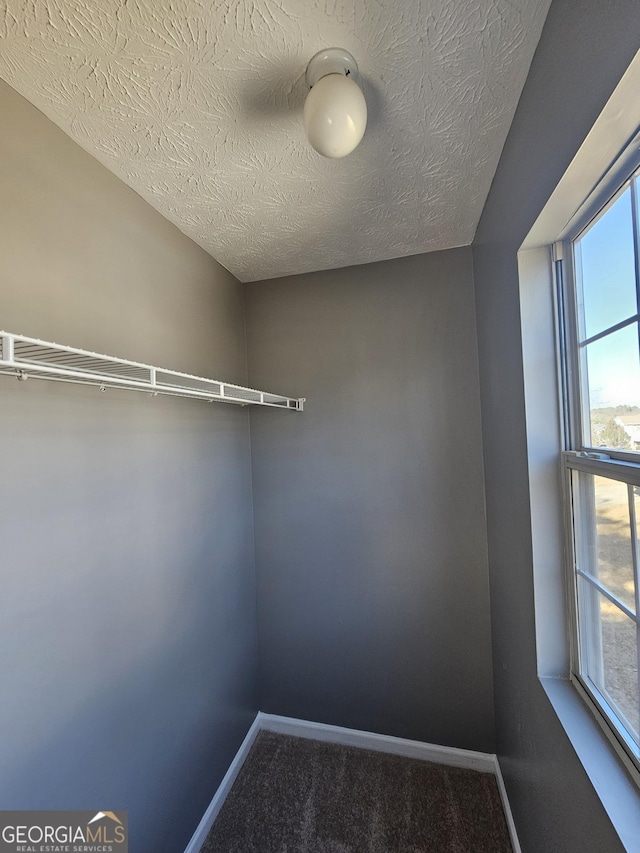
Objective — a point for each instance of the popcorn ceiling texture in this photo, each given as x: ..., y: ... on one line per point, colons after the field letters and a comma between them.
x: 197, y: 105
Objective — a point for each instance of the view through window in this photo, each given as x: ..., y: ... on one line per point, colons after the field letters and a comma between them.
x: 605, y: 264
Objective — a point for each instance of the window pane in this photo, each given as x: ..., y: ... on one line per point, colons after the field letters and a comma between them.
x: 613, y: 539
x: 620, y: 655
x: 603, y: 534
x: 613, y: 375
x: 608, y: 268
x: 609, y: 652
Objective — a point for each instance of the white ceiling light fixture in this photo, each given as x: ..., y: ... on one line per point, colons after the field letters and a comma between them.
x: 335, y: 112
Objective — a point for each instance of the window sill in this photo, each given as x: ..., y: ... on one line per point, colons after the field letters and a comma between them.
x: 617, y: 792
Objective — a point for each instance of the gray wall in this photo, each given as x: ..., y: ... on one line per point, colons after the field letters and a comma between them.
x: 584, y: 49
x: 373, y: 606
x: 127, y: 612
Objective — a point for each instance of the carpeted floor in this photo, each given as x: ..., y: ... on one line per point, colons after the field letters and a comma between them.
x: 302, y: 796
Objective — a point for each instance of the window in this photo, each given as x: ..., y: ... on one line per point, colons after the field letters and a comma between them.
x: 598, y: 277
x: 599, y: 171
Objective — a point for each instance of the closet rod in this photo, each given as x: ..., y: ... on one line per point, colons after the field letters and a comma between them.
x: 24, y: 357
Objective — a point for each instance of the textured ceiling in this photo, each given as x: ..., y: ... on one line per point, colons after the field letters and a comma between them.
x: 197, y: 105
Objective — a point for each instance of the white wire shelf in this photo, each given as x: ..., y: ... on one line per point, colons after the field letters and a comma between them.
x: 24, y: 357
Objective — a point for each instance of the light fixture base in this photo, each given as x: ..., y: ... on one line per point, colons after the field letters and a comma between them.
x: 332, y: 60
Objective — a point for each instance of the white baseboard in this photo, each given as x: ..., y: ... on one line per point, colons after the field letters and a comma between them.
x: 511, y: 826
x: 482, y: 761
x: 199, y: 836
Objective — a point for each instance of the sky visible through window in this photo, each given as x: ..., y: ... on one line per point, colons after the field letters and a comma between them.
x: 606, y: 253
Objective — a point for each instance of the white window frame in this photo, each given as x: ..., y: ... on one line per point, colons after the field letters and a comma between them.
x: 578, y: 455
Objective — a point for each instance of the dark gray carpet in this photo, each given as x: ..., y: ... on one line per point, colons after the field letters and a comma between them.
x: 295, y: 795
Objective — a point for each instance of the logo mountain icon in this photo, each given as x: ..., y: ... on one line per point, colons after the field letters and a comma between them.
x: 110, y: 815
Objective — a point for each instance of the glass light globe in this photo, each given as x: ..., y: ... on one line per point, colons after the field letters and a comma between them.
x: 335, y: 115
